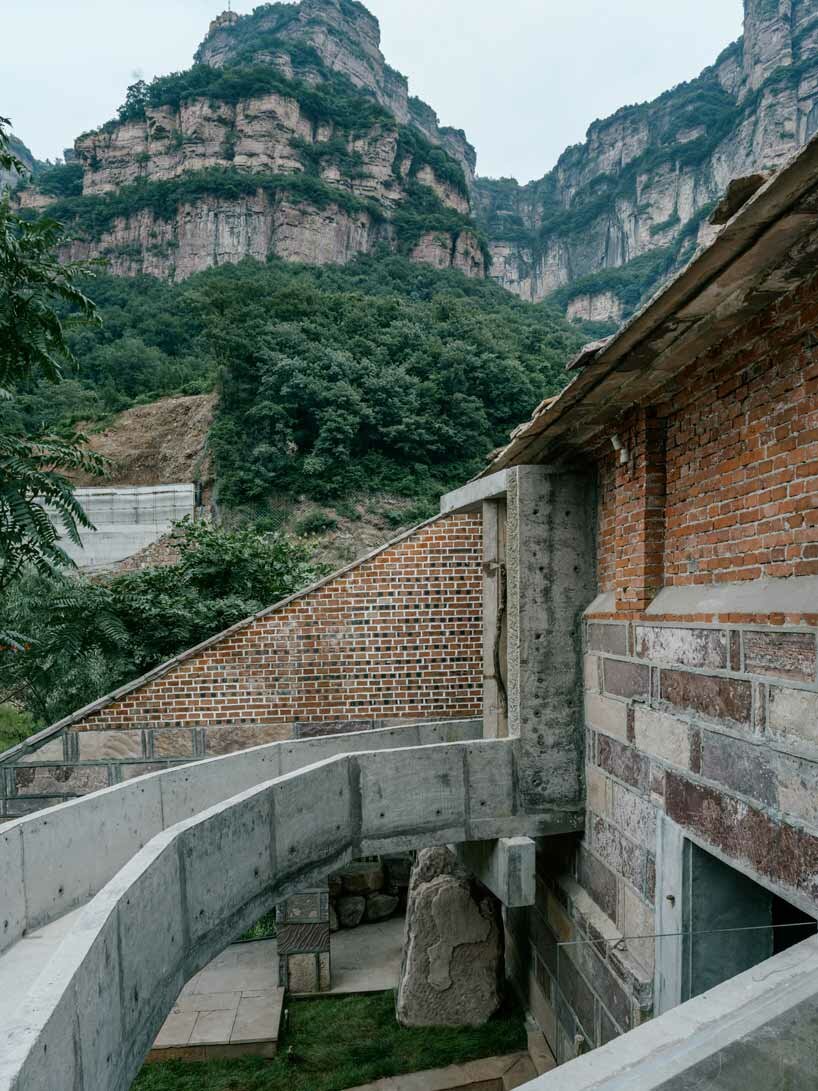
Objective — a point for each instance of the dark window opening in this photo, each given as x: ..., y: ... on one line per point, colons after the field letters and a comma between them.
x: 790, y: 925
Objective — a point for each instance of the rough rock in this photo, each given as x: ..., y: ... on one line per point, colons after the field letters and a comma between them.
x: 650, y: 174
x: 365, y: 877
x: 351, y: 909
x: 380, y: 906
x: 452, y: 969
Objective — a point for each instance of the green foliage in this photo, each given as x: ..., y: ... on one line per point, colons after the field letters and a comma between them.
x: 316, y: 522
x: 423, y: 212
x: 336, y: 1042
x: 411, y: 145
x: 60, y: 179
x: 85, y: 638
x: 382, y: 375
x: 94, y: 215
x: 335, y: 100
x: 15, y: 725
x: 629, y: 282
x: 39, y: 300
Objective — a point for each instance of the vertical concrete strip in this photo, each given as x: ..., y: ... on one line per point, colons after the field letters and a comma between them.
x: 551, y: 580
x: 13, y: 900
x: 495, y: 719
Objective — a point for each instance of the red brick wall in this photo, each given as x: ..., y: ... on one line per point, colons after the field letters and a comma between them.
x: 396, y: 637
x: 721, y: 483
x: 706, y: 720
x: 742, y: 455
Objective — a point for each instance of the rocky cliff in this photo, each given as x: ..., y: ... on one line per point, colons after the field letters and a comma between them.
x: 621, y: 211
x: 290, y: 136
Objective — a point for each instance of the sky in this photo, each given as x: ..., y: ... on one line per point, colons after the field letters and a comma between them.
x: 524, y: 78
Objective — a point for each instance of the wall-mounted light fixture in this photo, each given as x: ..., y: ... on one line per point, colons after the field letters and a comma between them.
x: 619, y: 446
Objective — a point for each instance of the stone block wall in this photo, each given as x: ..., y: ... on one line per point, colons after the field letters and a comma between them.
x: 700, y: 676
x: 393, y: 638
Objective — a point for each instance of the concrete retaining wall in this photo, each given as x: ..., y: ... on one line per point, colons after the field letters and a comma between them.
x: 53, y: 861
x: 90, y: 1019
x: 127, y: 519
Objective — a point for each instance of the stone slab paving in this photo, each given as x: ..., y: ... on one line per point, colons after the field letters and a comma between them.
x: 489, y: 1074
x: 233, y: 1006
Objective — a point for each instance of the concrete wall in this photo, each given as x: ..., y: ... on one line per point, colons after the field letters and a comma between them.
x: 46, y: 859
x: 89, y: 1021
x: 127, y: 519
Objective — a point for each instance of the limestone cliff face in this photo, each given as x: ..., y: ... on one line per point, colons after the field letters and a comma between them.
x: 211, y: 232
x: 291, y: 136
x: 646, y: 178
x: 347, y: 39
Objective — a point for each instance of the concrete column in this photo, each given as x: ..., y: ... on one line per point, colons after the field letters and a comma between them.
x: 495, y: 628
x: 302, y: 928
x: 550, y: 558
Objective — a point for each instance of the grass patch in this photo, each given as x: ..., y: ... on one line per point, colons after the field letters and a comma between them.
x: 339, y: 1042
x: 264, y: 928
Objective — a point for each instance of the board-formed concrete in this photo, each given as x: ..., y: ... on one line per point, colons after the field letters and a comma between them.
x: 54, y: 860
x: 89, y: 1019
x: 551, y: 579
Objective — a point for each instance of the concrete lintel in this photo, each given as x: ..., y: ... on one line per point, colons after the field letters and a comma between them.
x: 505, y: 866
x: 470, y: 497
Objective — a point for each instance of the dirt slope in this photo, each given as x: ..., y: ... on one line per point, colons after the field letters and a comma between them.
x: 164, y: 443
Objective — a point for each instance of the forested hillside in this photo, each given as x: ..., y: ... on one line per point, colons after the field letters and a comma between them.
x: 380, y: 375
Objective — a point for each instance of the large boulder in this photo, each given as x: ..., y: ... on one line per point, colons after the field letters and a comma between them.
x: 380, y: 906
x: 351, y: 910
x: 365, y: 877
x: 452, y: 970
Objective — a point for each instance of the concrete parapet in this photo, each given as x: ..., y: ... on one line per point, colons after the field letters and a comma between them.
x: 89, y: 1020
x: 54, y: 860
x: 756, y: 1030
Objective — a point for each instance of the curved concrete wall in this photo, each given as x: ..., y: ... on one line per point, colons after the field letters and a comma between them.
x: 55, y: 860
x: 91, y: 1017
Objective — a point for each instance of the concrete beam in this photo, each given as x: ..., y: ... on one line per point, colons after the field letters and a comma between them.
x: 506, y: 866
x: 470, y: 497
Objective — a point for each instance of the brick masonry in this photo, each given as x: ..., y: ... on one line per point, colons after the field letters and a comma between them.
x: 393, y: 638
x: 708, y: 719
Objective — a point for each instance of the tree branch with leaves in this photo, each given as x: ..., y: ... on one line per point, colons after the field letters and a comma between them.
x: 40, y: 299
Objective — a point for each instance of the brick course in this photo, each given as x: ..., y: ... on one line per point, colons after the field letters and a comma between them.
x: 395, y: 637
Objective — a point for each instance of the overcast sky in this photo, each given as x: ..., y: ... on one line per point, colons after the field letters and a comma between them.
x: 524, y: 78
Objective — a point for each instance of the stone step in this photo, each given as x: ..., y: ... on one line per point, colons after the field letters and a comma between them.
x: 487, y: 1074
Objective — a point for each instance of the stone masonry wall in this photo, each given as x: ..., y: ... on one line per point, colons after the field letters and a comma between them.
x: 701, y: 700
x: 393, y: 638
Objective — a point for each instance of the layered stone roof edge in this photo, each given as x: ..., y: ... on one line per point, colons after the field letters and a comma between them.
x: 772, y: 201
x: 34, y: 742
